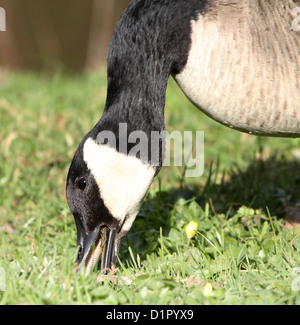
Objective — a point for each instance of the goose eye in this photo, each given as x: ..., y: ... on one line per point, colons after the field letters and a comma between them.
x: 81, y: 183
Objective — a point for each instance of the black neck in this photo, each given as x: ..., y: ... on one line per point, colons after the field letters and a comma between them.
x: 150, y: 42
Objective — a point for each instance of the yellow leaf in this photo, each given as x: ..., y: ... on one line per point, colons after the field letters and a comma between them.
x: 208, y: 289
x: 191, y: 229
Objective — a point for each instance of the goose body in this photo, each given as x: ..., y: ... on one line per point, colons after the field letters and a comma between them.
x: 243, y: 68
x: 237, y: 61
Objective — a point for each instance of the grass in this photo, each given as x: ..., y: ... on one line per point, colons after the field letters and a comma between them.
x: 245, y: 246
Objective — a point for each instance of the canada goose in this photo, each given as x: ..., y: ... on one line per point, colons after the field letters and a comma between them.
x: 236, y: 60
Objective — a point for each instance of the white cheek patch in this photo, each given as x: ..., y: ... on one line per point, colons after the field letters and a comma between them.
x: 122, y: 180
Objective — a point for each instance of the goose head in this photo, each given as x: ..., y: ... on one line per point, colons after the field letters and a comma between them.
x: 104, y: 190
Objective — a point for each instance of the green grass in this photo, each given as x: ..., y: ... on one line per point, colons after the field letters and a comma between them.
x: 243, y: 245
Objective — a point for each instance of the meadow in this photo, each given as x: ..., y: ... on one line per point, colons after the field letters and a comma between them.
x: 246, y: 205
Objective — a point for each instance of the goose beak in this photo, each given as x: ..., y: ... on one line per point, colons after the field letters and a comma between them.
x: 100, y: 242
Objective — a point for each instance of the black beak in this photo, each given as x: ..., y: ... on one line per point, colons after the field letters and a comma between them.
x: 100, y: 242
x: 109, y: 255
